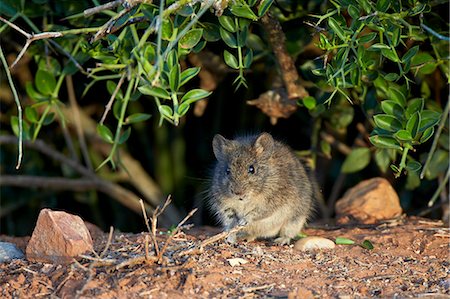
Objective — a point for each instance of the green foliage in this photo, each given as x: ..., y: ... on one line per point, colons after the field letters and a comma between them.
x: 374, y: 48
x: 379, y: 58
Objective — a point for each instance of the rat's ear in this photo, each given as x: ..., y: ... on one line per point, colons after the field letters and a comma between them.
x: 264, y: 145
x: 221, y: 146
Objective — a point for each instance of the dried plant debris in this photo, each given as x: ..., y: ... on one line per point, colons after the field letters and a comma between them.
x: 409, y: 259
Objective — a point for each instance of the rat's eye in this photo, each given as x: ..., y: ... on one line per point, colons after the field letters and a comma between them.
x: 228, y: 170
x: 251, y: 169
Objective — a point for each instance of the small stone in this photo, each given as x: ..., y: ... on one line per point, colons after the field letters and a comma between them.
x: 369, y: 202
x: 58, y: 238
x: 313, y: 243
x: 9, y: 251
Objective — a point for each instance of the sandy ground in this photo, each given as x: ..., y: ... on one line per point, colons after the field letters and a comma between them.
x: 410, y: 259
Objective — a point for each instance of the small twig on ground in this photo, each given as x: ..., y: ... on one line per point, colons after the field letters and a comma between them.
x: 257, y: 288
x: 198, y: 249
x: 136, y: 261
x: 174, y: 232
x: 108, y: 242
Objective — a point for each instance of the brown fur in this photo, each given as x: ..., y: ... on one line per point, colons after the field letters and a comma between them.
x: 260, y: 183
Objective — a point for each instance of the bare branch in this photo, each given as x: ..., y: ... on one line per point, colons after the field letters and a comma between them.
x: 110, y: 5
x: 111, y: 100
x: 287, y: 66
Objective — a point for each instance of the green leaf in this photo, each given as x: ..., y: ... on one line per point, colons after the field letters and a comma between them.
x: 385, y: 142
x: 413, y: 124
x: 154, y: 91
x: 396, y: 95
x: 412, y: 180
x: 428, y: 118
x: 32, y: 93
x: 353, y: 11
x: 383, y: 5
x: 264, y: 6
x: 387, y: 122
x: 392, y: 108
x: 367, y: 38
x: 378, y: 47
x: 137, y: 117
x: 366, y: 245
x: 227, y: 23
x: 211, y: 32
x: 183, y: 109
x: 390, y: 54
x: 415, y: 105
x: 45, y: 82
x: 194, y: 95
x: 326, y: 148
x: 230, y: 60
x: 188, y: 74
x: 382, y: 159
x: 32, y: 114
x: 309, y: 102
x: 166, y: 111
x: 410, y: 54
x: 124, y: 137
x: 248, y: 59
x: 174, y: 77
x: 191, y: 38
x: 242, y: 40
x: 413, y: 166
x: 172, y: 59
x: 243, y: 10
x: 358, y: 159
x: 343, y: 241
x: 403, y: 135
x: 228, y: 38
x: 167, y: 29
x: 105, y: 133
x: 334, y: 25
x: 427, y: 135
x: 391, y: 77
x: 15, y: 125
x: 49, y: 118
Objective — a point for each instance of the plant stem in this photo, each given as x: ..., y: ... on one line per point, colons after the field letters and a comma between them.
x: 436, y: 138
x: 19, y: 107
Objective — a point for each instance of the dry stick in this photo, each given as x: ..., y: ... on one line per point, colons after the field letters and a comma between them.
x: 30, y: 38
x: 150, y: 231
x: 110, y: 5
x: 78, y: 126
x: 54, y: 183
x: 122, y: 195
x: 161, y: 252
x: 113, y: 97
x: 199, y: 248
x: 289, y: 72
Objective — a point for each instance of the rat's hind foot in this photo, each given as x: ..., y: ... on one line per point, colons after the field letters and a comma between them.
x: 282, y: 241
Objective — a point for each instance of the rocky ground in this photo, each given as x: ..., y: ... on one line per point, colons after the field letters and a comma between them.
x: 410, y: 259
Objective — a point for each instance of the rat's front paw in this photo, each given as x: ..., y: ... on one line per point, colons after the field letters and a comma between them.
x: 232, y: 238
x: 282, y: 241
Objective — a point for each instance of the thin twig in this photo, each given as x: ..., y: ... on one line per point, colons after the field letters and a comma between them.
x: 110, y: 5
x: 111, y: 100
x: 174, y: 232
x: 198, y: 249
x: 150, y: 231
x: 108, y: 242
x: 19, y: 107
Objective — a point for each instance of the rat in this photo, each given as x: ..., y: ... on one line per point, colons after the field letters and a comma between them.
x: 260, y: 184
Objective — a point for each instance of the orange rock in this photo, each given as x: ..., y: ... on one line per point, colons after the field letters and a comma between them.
x: 58, y: 237
x: 368, y: 202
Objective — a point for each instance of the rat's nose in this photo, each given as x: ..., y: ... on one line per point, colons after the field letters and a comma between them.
x: 237, y: 191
